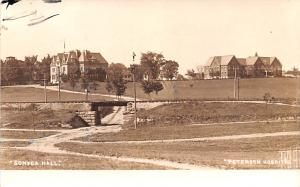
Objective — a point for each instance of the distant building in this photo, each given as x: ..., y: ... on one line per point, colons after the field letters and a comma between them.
x: 10, y: 58
x: 220, y: 67
x: 86, y: 63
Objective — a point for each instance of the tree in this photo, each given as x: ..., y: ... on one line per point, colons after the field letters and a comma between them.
x: 157, y: 86
x: 170, y: 69
x: 119, y: 87
x: 267, y: 98
x: 191, y: 74
x: 83, y: 83
x: 93, y: 85
x: 115, y: 79
x: 11, y: 72
x: 152, y: 86
x: 28, y: 67
x: 147, y: 87
x: 109, y: 87
x: 44, y: 68
x: 116, y: 71
x: 151, y: 63
x: 64, y: 78
x: 72, y: 83
x: 180, y: 77
x: 138, y: 72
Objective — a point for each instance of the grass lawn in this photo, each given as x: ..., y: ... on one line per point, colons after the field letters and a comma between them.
x: 201, y: 112
x: 25, y: 134
x: 281, y: 88
x: 177, y: 131
x: 10, y: 158
x: 43, y: 119
x: 14, y: 144
x: 21, y: 94
x: 208, y: 153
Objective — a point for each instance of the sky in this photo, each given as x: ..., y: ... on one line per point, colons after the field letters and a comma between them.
x: 188, y: 32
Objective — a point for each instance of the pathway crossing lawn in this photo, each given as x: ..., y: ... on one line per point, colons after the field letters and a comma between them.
x: 188, y: 131
x: 14, y: 143
x: 25, y: 134
x: 207, y: 153
x: 16, y: 159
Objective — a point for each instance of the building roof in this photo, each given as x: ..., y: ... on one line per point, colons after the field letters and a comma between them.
x: 251, y: 60
x: 272, y: 60
x: 221, y: 60
x: 266, y: 61
x: 80, y: 56
x: 209, y: 62
x: 242, y: 61
x: 226, y: 59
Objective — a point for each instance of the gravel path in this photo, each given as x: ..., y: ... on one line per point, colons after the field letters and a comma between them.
x: 47, y: 145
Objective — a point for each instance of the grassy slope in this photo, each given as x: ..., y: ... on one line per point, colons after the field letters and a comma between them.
x: 25, y: 134
x: 288, y: 88
x: 211, y: 153
x: 200, y: 112
x: 44, y: 119
x: 216, y: 89
x: 175, y: 132
x: 65, y: 161
x: 18, y: 94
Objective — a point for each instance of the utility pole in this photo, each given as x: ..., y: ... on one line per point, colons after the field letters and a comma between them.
x: 234, y: 82
x: 45, y: 88
x: 134, y: 89
x: 58, y: 82
x: 238, y: 92
x: 86, y: 94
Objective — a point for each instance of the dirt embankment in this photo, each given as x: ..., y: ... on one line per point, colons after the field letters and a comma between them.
x: 215, y: 112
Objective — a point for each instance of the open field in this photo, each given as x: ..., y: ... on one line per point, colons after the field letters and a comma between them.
x: 189, y: 131
x: 280, y: 88
x: 214, y: 112
x: 164, y: 122
x: 25, y: 134
x: 44, y: 119
x: 27, y: 94
x: 15, y: 158
x: 287, y: 89
x: 207, y: 153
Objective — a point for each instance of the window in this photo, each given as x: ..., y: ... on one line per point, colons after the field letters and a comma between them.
x: 53, y: 77
x: 53, y: 70
x: 64, y: 69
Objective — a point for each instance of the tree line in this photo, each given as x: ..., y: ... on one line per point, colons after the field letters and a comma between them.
x: 29, y: 70
x: 151, y: 68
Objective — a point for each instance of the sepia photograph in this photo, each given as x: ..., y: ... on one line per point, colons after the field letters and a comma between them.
x: 150, y: 85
